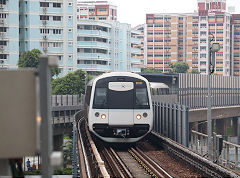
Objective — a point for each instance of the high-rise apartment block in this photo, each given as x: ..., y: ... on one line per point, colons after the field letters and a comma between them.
x: 83, y: 35
x: 96, y: 10
x: 9, y: 33
x: 173, y: 38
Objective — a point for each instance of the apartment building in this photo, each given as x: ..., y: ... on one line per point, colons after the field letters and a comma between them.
x: 235, y: 43
x: 141, y: 29
x: 9, y: 34
x: 172, y: 37
x: 83, y: 35
x: 104, y: 46
x: 96, y: 10
x: 49, y: 26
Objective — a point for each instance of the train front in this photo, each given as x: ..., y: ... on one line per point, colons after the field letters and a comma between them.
x: 121, y: 109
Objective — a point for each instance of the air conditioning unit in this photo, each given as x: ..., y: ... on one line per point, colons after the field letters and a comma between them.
x: 45, y: 9
x: 2, y: 61
x: 45, y: 37
x: 1, y: 21
x: 1, y: 47
x: 1, y: 6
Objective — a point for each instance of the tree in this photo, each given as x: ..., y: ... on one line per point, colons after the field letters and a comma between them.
x: 179, y: 67
x: 195, y: 71
x: 31, y: 59
x: 148, y: 70
x: 71, y: 84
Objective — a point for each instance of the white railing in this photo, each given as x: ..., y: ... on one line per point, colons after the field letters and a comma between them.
x: 229, y: 155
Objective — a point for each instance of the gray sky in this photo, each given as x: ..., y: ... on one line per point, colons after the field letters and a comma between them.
x: 134, y: 11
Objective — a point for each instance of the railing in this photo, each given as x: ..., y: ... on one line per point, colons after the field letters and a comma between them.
x: 192, y: 90
x: 199, y: 142
x: 171, y: 120
x: 65, y: 100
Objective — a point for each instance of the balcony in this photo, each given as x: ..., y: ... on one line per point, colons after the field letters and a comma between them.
x: 93, y: 55
x: 97, y: 33
x: 93, y: 44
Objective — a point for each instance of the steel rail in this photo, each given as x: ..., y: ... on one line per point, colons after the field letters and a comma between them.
x: 122, y: 166
x: 148, y: 164
x: 153, y: 163
x: 86, y: 163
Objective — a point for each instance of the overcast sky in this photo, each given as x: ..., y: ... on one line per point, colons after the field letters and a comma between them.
x: 134, y: 11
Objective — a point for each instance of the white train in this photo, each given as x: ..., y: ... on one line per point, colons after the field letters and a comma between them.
x: 119, y: 107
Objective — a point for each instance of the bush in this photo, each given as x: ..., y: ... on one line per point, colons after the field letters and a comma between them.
x: 64, y: 171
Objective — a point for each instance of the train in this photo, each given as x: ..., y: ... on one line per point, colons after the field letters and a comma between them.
x: 119, y: 107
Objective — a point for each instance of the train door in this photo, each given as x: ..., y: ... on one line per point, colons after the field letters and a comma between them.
x: 120, y: 102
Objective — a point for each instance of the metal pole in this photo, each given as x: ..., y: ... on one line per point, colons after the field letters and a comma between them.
x: 46, y: 127
x: 209, y: 111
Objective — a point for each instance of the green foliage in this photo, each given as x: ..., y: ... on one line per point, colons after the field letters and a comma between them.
x: 179, y: 67
x: 67, y: 153
x: 65, y: 171
x: 147, y: 70
x: 35, y: 172
x: 71, y: 84
x: 195, y: 71
x: 31, y: 59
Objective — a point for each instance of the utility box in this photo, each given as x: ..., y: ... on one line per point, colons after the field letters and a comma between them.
x: 18, y: 106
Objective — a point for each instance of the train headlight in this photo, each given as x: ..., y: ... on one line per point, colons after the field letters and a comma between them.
x: 145, y: 114
x: 103, y: 116
x: 97, y: 114
x: 139, y: 116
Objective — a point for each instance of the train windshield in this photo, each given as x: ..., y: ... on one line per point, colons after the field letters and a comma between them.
x: 121, y: 95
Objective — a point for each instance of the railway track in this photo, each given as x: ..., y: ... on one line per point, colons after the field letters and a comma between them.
x: 104, y: 160
x: 130, y: 162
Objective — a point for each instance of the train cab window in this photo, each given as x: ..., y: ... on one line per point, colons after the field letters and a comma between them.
x: 142, y: 98
x: 100, y: 98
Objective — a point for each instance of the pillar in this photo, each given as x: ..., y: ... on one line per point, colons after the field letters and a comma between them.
x: 220, y: 127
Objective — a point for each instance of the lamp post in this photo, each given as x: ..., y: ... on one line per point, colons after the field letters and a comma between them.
x: 213, y: 48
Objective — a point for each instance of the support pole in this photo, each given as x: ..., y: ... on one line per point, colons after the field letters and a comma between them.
x: 209, y: 111
x: 45, y: 111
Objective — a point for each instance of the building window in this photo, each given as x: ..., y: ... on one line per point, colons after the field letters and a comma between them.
x: 57, y: 5
x: 56, y: 18
x: 102, y: 9
x: 102, y: 18
x: 3, y: 56
x: 56, y: 44
x: 3, y: 43
x: 203, y: 25
x: 3, y: 29
x: 45, y: 31
x: 44, y: 44
x: 57, y: 31
x: 44, y: 17
x: 3, y: 16
x: 44, y: 4
x: 3, y: 2
x: 219, y: 24
x: 203, y: 55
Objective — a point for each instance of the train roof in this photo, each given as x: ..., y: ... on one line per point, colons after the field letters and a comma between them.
x: 158, y: 85
x: 110, y: 74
